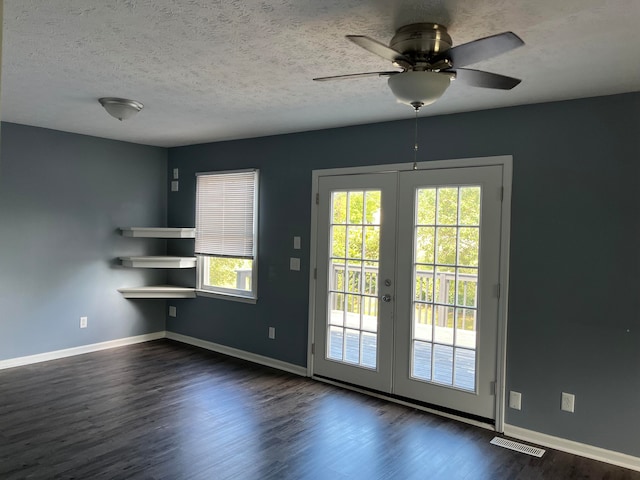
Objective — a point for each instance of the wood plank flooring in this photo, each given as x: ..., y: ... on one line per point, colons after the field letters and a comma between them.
x: 163, y: 410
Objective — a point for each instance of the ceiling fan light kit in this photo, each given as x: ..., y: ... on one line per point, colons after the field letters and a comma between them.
x: 429, y: 62
x: 120, y: 108
x: 419, y: 88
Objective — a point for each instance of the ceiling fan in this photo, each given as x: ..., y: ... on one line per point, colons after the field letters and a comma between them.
x: 429, y: 63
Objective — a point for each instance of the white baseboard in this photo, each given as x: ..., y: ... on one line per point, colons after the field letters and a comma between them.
x: 242, y: 354
x: 575, y: 448
x: 69, y: 352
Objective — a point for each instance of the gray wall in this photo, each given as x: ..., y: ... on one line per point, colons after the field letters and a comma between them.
x: 574, y: 322
x: 62, y: 197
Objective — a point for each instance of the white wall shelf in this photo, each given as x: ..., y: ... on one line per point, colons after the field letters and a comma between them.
x: 158, y: 232
x: 158, y: 262
x: 158, y: 291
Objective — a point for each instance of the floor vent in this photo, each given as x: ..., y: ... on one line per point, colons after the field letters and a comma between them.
x: 518, y: 447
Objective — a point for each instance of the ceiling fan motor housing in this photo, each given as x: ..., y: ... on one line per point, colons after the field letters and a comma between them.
x: 421, y: 40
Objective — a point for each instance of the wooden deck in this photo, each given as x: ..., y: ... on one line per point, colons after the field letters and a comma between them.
x: 439, y: 366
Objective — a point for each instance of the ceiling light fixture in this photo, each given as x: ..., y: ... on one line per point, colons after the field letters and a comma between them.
x: 419, y: 88
x: 120, y: 108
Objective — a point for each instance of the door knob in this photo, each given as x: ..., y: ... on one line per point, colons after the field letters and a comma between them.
x: 386, y: 298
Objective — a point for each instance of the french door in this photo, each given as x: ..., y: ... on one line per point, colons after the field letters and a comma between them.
x: 407, y: 284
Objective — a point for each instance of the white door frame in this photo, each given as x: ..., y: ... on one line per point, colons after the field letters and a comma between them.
x: 506, y: 161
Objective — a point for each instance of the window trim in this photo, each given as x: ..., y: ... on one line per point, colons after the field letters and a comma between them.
x: 229, y: 293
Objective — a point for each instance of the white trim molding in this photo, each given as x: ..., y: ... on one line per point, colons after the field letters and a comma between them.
x: 237, y: 353
x: 575, y: 448
x: 70, y: 352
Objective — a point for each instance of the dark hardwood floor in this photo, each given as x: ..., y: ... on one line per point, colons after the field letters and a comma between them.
x: 163, y: 410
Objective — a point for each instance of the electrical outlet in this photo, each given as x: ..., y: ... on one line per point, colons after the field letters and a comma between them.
x: 175, y: 186
x: 568, y: 402
x: 515, y: 400
x: 272, y: 333
x: 83, y: 322
x: 172, y: 311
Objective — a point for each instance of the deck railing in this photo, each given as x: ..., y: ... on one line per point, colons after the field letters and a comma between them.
x: 436, y: 288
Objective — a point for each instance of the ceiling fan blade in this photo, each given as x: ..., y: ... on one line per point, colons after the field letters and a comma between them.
x: 381, y: 50
x: 478, y: 78
x: 481, y: 49
x: 357, y: 75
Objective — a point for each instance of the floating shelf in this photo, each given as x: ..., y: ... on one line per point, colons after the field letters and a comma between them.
x: 158, y: 232
x: 158, y: 291
x: 159, y: 262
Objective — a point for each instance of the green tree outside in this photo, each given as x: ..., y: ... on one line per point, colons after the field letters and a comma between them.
x: 443, y: 215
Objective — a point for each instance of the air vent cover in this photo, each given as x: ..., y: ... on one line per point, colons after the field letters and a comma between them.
x: 518, y: 447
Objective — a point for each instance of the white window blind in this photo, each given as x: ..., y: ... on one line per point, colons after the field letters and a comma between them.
x: 225, y: 204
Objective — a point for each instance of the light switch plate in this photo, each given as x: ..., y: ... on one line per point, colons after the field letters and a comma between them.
x: 568, y: 402
x: 515, y: 400
x: 294, y: 264
x: 296, y: 243
x: 176, y: 174
x: 172, y: 311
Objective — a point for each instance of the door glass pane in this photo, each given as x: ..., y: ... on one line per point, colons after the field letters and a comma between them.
x: 335, y: 343
x: 372, y: 243
x: 421, y: 364
x: 354, y: 275
x: 425, y: 244
x: 353, y: 311
x: 336, y: 308
x: 370, y: 314
x: 423, y: 289
x: 338, y: 241
x: 426, y: 206
x: 446, y: 245
x: 354, y: 237
x: 423, y: 321
x: 467, y: 287
x: 445, y: 281
x: 443, y: 364
x: 466, y: 327
x: 443, y: 322
x: 372, y: 207
x: 468, y: 246
x: 339, y: 207
x: 352, y: 346
x: 465, y: 369
x: 352, y: 323
x: 368, y: 348
x: 356, y: 208
x: 470, y: 206
x: 370, y: 284
x: 447, y: 199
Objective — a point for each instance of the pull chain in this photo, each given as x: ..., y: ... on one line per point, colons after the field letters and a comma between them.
x: 415, y: 146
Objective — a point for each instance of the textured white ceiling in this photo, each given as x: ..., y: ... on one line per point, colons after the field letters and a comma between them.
x: 209, y: 70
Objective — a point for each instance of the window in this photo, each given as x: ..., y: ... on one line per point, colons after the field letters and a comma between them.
x: 227, y: 233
